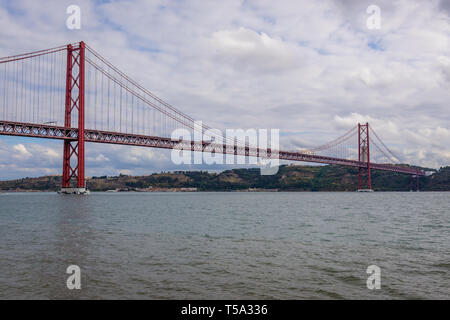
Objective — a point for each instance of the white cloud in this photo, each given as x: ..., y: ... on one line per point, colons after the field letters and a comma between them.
x: 21, y: 152
x: 248, y: 50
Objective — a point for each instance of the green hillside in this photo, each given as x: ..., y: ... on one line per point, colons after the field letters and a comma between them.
x: 288, y: 178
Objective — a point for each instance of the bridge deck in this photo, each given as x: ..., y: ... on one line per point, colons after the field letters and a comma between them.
x: 62, y: 133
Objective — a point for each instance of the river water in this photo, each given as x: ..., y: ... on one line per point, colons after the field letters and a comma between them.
x: 225, y: 245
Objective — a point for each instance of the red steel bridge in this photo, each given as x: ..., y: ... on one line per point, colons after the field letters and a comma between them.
x: 72, y: 93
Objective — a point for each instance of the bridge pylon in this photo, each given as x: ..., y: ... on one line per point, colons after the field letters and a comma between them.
x: 73, y: 155
x: 411, y: 178
x: 364, y: 156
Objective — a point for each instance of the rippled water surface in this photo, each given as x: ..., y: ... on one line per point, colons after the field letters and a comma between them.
x: 225, y: 245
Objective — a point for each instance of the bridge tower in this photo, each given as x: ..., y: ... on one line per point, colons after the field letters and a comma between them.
x: 73, y: 155
x: 364, y: 156
x: 411, y: 178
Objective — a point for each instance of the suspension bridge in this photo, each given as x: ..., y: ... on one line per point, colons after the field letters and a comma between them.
x: 74, y: 94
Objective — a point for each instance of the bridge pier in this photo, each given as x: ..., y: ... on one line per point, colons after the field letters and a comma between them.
x: 74, y: 191
x: 411, y: 178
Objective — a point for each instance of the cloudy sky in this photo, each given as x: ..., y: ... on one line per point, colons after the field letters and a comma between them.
x: 313, y: 69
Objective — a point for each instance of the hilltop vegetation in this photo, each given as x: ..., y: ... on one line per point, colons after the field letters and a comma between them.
x: 288, y: 178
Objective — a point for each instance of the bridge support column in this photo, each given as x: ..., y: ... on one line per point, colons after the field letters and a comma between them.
x: 73, y: 159
x: 364, y: 156
x: 411, y: 183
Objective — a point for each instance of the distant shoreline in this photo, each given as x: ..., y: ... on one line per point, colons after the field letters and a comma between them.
x: 2, y: 192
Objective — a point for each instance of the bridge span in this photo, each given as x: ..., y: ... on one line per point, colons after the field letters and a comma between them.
x: 98, y: 103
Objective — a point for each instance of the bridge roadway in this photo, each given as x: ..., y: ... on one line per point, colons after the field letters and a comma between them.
x: 97, y: 136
